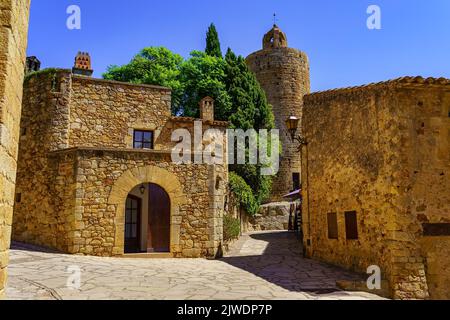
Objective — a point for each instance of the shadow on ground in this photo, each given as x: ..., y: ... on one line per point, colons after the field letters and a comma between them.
x: 31, y: 248
x: 278, y: 258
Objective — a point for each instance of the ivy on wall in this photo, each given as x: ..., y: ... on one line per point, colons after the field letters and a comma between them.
x: 243, y: 193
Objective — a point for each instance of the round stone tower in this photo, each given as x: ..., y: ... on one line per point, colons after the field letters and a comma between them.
x: 284, y: 75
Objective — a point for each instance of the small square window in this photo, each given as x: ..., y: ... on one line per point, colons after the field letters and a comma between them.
x: 143, y: 139
x: 18, y: 197
x: 332, y: 225
x: 351, y: 225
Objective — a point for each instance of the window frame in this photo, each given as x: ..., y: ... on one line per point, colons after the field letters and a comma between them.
x: 142, y: 140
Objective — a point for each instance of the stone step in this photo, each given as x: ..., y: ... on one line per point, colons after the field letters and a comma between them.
x: 147, y: 255
x: 361, y: 286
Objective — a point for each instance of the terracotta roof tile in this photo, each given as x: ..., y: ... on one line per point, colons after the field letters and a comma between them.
x: 394, y: 82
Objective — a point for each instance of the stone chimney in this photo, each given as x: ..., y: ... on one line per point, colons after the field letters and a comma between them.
x: 32, y: 65
x: 207, y: 109
x: 83, y: 64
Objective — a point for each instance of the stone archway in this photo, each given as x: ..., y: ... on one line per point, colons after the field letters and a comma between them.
x: 148, y: 174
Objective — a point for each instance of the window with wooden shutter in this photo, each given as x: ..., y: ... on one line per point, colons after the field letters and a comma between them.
x: 351, y: 225
x: 436, y: 229
x: 332, y: 225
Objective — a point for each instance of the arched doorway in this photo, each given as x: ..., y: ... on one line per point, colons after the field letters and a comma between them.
x: 147, y: 220
x: 134, y: 178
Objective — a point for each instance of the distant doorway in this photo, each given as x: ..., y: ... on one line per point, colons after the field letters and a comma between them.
x: 132, y: 224
x: 158, y: 235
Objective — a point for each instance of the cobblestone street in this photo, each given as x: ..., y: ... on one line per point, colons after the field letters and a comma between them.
x: 263, y: 266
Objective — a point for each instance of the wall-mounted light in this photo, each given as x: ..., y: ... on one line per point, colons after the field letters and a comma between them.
x: 142, y: 189
x: 292, y: 126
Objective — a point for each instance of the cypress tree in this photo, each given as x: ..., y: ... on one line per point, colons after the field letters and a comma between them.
x: 251, y: 110
x: 212, y: 42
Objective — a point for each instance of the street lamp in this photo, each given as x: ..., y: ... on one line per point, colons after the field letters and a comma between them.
x: 142, y: 189
x: 292, y: 125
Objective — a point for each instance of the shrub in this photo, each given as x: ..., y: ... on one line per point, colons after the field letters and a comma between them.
x: 231, y: 228
x: 243, y: 193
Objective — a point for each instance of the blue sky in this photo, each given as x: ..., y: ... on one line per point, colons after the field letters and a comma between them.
x: 414, y: 39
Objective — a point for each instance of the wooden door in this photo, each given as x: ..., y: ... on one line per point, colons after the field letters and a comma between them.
x: 133, y: 224
x: 158, y: 239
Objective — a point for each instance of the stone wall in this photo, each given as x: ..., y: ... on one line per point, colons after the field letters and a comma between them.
x: 13, y: 42
x: 363, y: 155
x: 44, y: 128
x: 271, y: 217
x: 427, y: 125
x: 284, y: 75
x: 105, y: 113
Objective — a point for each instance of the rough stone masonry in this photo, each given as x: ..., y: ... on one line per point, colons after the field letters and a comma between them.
x: 376, y: 170
x: 13, y: 42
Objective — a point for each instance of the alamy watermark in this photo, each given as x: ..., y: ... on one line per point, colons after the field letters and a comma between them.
x: 74, y: 279
x: 73, y: 22
x: 374, y: 19
x: 374, y: 281
x: 243, y: 147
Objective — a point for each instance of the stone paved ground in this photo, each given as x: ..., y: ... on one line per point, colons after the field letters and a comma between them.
x: 260, y: 266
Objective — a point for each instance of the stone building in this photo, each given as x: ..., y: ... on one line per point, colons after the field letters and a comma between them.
x: 377, y: 189
x: 96, y: 176
x: 283, y: 73
x: 13, y: 42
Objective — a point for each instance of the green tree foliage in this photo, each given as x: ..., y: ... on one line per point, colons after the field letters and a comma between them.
x: 155, y: 66
x: 204, y: 75
x: 244, y: 193
x: 251, y: 111
x: 238, y: 97
x: 212, y: 42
